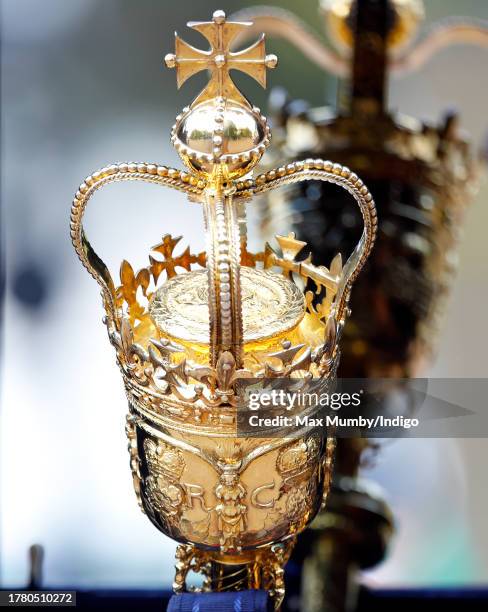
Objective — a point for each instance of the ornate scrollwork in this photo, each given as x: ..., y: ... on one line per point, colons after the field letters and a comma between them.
x: 162, y: 486
x: 162, y: 367
x: 130, y: 431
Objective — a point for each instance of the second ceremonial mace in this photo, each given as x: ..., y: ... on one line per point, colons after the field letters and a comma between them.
x: 189, y: 329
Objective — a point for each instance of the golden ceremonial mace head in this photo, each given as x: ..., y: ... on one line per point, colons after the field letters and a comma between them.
x: 190, y: 328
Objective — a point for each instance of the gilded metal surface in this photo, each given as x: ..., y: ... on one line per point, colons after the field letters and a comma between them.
x: 220, y: 126
x: 271, y: 306
x: 422, y: 176
x: 230, y: 501
x: 227, y: 494
x: 220, y: 59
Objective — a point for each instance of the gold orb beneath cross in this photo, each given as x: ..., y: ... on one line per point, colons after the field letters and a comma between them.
x: 271, y: 306
x: 221, y: 131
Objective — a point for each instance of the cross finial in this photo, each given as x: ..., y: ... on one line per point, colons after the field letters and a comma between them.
x: 220, y: 59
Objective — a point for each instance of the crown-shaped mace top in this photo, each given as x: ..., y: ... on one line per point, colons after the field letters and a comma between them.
x: 238, y: 317
x: 220, y: 129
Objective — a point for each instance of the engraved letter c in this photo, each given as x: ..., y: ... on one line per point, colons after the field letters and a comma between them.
x: 254, y: 496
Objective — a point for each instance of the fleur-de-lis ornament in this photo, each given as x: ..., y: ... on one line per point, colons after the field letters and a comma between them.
x: 190, y: 329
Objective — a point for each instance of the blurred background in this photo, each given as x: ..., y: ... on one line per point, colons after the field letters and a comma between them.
x: 83, y: 86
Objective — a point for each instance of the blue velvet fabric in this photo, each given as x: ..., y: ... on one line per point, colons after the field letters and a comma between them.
x: 239, y: 601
